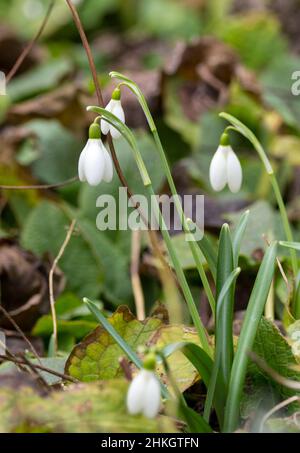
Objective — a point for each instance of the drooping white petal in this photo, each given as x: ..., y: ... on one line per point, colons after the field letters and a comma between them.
x: 136, y: 392
x: 152, y: 397
x: 94, y: 162
x: 117, y: 110
x: 81, y: 173
x: 234, y: 171
x: 105, y: 126
x: 108, y: 168
x: 218, y: 169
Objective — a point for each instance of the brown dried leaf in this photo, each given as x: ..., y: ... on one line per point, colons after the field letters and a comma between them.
x: 60, y: 104
x: 206, y: 67
x: 24, y: 285
x: 11, y: 47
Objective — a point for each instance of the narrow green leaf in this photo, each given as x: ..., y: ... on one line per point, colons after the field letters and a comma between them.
x: 216, y: 396
x: 195, y: 421
x: 210, y: 254
x: 238, y: 236
x: 224, y: 317
x: 196, y: 355
x: 226, y: 287
x: 253, y: 315
x: 109, y: 328
x: 204, y: 365
x: 290, y: 245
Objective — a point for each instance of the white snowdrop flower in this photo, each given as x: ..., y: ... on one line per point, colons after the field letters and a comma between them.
x: 143, y: 395
x: 95, y: 163
x: 114, y: 106
x: 225, y: 167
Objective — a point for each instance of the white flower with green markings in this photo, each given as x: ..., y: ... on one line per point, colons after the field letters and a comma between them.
x: 144, y: 394
x: 225, y: 167
x: 115, y: 107
x: 95, y: 163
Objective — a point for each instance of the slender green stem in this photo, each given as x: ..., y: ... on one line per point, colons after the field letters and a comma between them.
x: 198, y: 257
x: 180, y: 274
x: 195, y: 248
x: 285, y: 221
x: 128, y: 135
x: 239, y: 127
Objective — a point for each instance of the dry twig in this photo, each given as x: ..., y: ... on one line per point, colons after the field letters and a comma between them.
x: 18, y: 329
x: 276, y: 408
x: 51, y: 273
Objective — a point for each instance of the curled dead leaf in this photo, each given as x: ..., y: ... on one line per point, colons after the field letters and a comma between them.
x: 205, y: 67
x: 24, y: 285
x: 11, y: 47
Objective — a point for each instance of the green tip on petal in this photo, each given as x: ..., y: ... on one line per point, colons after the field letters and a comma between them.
x: 94, y: 131
x: 224, y: 140
x: 149, y: 362
x: 116, y: 94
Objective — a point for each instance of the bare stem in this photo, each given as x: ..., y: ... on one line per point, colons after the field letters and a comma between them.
x: 20, y: 362
x: 18, y: 329
x: 41, y: 186
x: 276, y: 408
x: 51, y: 273
x: 30, y: 45
x: 90, y: 58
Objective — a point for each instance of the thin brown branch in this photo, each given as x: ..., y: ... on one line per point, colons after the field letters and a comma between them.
x: 21, y: 362
x: 10, y: 354
x: 9, y: 76
x: 88, y: 51
x: 18, y: 329
x: 93, y: 69
x: 41, y: 186
x: 51, y: 273
x: 30, y: 45
x: 35, y: 372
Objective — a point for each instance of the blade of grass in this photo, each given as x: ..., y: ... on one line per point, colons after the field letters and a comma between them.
x: 196, y: 355
x: 238, y: 235
x: 290, y: 245
x: 223, y: 331
x: 110, y: 329
x: 210, y: 254
x: 195, y: 421
x: 216, y: 395
x: 254, y: 312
